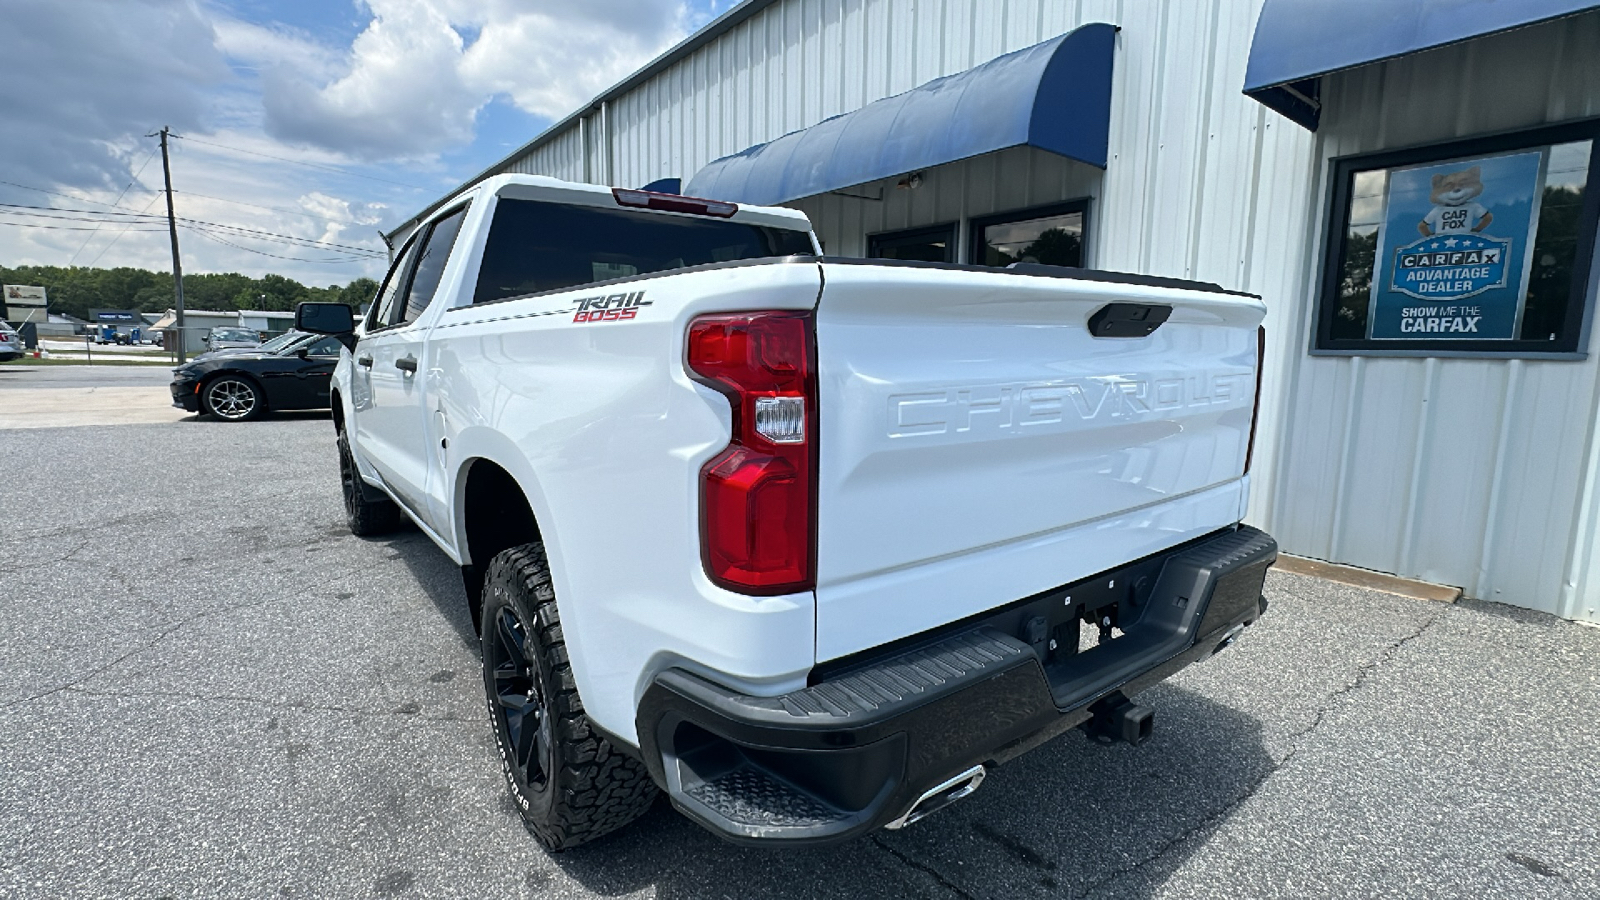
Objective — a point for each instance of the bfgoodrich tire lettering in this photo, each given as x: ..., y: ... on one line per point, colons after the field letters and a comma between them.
x: 570, y: 785
x: 367, y: 511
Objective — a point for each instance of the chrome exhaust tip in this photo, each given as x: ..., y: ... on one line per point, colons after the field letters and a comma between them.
x: 941, y: 795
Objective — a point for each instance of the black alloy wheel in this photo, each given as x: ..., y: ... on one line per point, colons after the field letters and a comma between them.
x: 519, y: 690
x: 233, y: 399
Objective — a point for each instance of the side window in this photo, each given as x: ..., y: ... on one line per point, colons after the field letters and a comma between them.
x: 430, y: 265
x: 328, y: 346
x: 382, y: 312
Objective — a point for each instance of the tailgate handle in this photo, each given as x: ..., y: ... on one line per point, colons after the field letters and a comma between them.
x: 1128, y: 320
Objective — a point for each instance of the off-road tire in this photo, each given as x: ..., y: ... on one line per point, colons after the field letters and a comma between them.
x: 366, y: 509
x: 586, y: 787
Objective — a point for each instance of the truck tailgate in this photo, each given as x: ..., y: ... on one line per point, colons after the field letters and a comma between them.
x: 978, y: 444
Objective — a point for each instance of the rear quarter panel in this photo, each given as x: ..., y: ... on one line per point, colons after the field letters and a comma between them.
x: 606, y: 434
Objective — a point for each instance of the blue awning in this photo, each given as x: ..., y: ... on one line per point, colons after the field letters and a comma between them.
x: 1055, y: 96
x: 1299, y: 41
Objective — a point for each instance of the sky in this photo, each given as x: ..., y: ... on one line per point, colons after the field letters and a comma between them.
x: 323, y: 121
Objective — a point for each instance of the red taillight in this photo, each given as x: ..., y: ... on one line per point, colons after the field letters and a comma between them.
x: 1255, y: 412
x: 757, y: 500
x: 674, y: 203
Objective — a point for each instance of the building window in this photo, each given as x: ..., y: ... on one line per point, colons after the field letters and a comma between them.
x: 1051, y: 235
x: 1469, y: 248
x: 936, y: 243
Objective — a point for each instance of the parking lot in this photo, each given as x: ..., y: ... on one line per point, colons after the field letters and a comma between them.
x: 209, y: 688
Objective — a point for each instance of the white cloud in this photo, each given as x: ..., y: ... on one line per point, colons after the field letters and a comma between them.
x: 270, y: 45
x: 86, y: 81
x: 551, y: 61
x: 401, y: 94
x: 412, y: 85
x: 339, y: 216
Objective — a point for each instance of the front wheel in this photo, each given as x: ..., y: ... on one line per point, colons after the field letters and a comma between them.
x: 569, y: 783
x: 233, y: 399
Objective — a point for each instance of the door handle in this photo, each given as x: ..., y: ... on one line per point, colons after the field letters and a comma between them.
x: 406, y: 363
x: 364, y: 361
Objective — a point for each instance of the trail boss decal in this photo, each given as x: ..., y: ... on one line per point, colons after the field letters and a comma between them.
x: 610, y: 308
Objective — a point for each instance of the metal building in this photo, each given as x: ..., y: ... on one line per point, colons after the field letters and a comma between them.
x: 1271, y: 146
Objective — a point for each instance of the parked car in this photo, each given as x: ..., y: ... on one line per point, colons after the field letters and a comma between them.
x: 806, y: 543
x: 223, y: 337
x: 271, y: 345
x: 234, y: 387
x: 154, y: 337
x: 10, y: 343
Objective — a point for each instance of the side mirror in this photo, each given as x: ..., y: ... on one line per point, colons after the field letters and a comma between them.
x: 324, y: 318
x: 303, y: 353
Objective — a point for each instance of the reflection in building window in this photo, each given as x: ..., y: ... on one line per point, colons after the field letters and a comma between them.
x: 1051, y: 236
x: 936, y: 243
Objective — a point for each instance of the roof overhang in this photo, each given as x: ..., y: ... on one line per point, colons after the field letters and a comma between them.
x: 1055, y: 96
x: 1297, y: 42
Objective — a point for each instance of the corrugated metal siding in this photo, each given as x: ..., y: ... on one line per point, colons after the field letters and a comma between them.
x: 560, y: 158
x: 1461, y: 471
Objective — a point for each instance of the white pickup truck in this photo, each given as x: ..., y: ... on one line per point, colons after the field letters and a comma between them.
x: 807, y: 543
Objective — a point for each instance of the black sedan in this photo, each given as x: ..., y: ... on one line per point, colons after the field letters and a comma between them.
x: 236, y: 387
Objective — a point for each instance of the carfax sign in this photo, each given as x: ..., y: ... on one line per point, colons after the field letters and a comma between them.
x: 1452, y: 262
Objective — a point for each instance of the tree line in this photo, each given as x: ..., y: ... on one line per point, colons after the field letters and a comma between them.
x: 74, y: 291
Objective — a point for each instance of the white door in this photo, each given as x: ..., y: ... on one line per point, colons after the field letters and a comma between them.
x: 393, y: 429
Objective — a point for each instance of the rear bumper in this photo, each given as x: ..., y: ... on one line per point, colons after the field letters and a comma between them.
x: 855, y: 750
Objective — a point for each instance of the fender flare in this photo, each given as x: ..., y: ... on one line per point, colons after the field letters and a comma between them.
x: 476, y: 443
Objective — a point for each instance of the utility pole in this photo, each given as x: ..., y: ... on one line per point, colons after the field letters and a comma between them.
x: 177, y: 264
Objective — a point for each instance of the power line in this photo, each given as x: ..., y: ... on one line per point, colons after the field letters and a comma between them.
x: 63, y: 227
x: 153, y: 198
x: 68, y: 209
x: 281, y: 209
x: 116, y: 202
x: 94, y: 217
x: 90, y: 215
x: 338, y: 260
x: 299, y: 162
x: 285, y: 237
x: 29, y: 187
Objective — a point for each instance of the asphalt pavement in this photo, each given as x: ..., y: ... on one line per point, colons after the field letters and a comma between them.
x: 54, y: 396
x: 209, y: 688
x: 46, y: 377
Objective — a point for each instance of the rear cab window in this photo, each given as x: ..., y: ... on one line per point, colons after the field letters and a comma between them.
x: 537, y: 246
